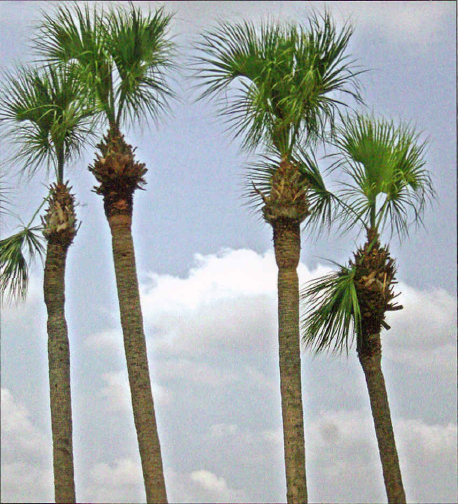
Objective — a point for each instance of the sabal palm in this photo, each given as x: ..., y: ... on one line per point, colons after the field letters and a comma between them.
x: 276, y: 86
x: 42, y: 115
x: 121, y: 58
x: 387, y: 178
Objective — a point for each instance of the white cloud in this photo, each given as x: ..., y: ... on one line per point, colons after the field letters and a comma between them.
x: 123, y: 472
x: 201, y: 486
x: 341, y: 446
x: 26, y: 469
x: 110, y: 340
x: 119, y: 481
x: 415, y: 22
x: 227, y: 302
x: 18, y: 431
x: 197, y: 373
x: 423, y: 334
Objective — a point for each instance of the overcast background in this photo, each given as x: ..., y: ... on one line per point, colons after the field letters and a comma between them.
x: 208, y: 283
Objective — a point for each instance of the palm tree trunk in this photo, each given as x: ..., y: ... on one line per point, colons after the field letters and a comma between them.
x: 59, y: 373
x: 287, y: 253
x: 371, y: 362
x: 59, y: 228
x: 136, y: 357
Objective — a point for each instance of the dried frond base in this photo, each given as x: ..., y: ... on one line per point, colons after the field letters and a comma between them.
x: 374, y: 280
x: 288, y: 196
x: 59, y: 222
x: 118, y: 173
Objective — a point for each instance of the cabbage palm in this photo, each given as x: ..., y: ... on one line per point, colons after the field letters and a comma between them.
x: 386, y: 182
x: 121, y: 57
x: 42, y: 115
x: 277, y: 87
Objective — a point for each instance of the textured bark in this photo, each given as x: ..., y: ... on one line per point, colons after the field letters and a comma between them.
x: 59, y: 374
x: 287, y: 252
x: 371, y: 364
x: 374, y: 279
x: 136, y: 357
x: 119, y: 175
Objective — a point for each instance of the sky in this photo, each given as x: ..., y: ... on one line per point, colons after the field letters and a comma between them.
x: 208, y: 290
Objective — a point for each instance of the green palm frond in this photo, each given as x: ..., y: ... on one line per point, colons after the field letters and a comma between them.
x: 121, y: 56
x: 385, y: 167
x: 142, y: 54
x: 332, y: 315
x: 16, y: 252
x: 43, y: 116
x: 281, y: 78
x: 76, y: 37
x: 5, y: 190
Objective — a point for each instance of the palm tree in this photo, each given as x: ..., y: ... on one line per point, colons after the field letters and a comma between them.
x: 283, y: 97
x: 121, y: 58
x: 387, y: 178
x: 43, y: 116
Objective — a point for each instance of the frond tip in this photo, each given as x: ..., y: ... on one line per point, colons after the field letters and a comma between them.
x: 14, y: 265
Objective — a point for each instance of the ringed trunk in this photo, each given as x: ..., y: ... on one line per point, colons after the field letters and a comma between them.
x: 119, y: 176
x: 59, y: 230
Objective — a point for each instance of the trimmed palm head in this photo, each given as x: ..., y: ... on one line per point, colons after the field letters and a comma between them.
x: 286, y: 77
x: 122, y: 56
x: 385, y: 164
x: 43, y: 116
x: 308, y: 182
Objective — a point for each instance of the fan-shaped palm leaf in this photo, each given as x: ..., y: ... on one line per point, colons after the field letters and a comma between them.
x: 385, y: 165
x: 43, y: 116
x: 121, y: 56
x: 286, y: 76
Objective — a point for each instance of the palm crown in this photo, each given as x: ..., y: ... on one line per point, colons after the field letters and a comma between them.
x: 43, y: 115
x: 47, y: 123
x: 385, y: 165
x: 286, y: 75
x: 121, y: 59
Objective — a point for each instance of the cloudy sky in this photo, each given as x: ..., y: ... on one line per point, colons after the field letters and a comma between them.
x: 208, y: 283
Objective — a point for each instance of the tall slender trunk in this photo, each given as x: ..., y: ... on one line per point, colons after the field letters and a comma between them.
x: 371, y: 362
x: 119, y: 175
x: 287, y: 253
x: 136, y: 357
x: 59, y: 229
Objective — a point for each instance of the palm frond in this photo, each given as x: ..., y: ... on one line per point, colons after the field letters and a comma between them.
x: 44, y: 117
x: 385, y: 167
x: 122, y: 57
x: 16, y: 252
x: 142, y: 53
x: 332, y: 316
x: 275, y: 84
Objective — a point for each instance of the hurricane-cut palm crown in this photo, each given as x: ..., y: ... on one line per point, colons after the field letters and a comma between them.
x: 117, y: 172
